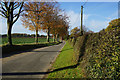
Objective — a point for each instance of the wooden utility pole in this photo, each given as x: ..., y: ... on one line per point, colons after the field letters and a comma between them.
x: 81, y: 29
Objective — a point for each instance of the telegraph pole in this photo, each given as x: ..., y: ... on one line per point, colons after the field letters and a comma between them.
x: 81, y: 29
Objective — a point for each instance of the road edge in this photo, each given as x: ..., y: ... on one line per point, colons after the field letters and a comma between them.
x: 50, y: 67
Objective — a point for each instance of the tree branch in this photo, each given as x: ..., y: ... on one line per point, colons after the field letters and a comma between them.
x: 15, y: 15
x: 4, y: 9
x: 6, y: 3
x: 18, y: 13
x: 1, y: 3
x: 17, y: 5
x: 3, y: 15
x: 33, y: 23
x: 2, y: 6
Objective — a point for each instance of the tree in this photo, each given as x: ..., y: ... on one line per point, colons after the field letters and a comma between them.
x: 64, y: 25
x: 75, y: 31
x: 114, y: 24
x: 11, y: 11
x: 32, y: 17
x: 48, y: 17
x: 55, y: 23
x: 60, y: 28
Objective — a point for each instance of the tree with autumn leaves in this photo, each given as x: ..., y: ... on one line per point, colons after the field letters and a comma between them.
x: 32, y: 17
x: 54, y: 22
x: 45, y: 16
x: 61, y: 28
x: 48, y: 17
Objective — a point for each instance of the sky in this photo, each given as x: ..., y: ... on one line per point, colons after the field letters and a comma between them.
x: 96, y: 16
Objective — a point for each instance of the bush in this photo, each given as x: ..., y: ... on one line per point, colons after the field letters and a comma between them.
x: 114, y: 24
x: 100, y: 52
x: 104, y: 53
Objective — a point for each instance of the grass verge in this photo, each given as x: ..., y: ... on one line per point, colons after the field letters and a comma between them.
x: 65, y: 64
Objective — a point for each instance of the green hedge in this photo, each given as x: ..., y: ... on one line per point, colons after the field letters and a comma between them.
x: 99, y: 53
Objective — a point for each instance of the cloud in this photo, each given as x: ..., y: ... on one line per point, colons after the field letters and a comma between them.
x: 94, y: 22
x: 96, y: 25
x: 74, y: 18
x: 113, y: 16
x: 86, y: 16
x: 105, y: 23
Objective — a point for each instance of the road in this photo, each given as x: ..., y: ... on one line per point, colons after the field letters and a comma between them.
x: 30, y: 65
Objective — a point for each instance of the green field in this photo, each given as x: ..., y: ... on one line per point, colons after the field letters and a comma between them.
x: 24, y: 40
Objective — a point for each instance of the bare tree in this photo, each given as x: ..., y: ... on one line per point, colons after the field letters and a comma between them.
x: 11, y: 11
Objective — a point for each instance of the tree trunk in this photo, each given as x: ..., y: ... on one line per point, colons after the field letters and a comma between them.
x: 57, y: 37
x: 61, y: 38
x: 48, y: 34
x: 36, y: 37
x: 9, y: 25
x: 53, y: 37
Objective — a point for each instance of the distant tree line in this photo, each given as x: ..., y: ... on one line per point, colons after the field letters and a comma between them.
x: 24, y: 35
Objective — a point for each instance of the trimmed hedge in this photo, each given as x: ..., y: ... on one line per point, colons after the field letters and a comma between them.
x: 99, y: 53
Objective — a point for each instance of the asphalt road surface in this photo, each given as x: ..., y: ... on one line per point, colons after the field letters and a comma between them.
x: 31, y: 65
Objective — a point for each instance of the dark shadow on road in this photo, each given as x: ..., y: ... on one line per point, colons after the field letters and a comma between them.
x: 40, y: 73
x: 8, y: 50
x: 45, y: 51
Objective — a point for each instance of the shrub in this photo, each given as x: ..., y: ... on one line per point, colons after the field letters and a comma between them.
x: 100, y: 53
x: 114, y: 24
x: 103, y: 61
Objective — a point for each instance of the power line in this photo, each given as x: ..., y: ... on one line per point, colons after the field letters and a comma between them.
x: 85, y: 3
x: 77, y: 18
x: 79, y: 14
x: 75, y: 21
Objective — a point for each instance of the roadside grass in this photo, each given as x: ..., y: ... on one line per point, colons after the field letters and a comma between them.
x: 63, y: 67
x: 24, y: 40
